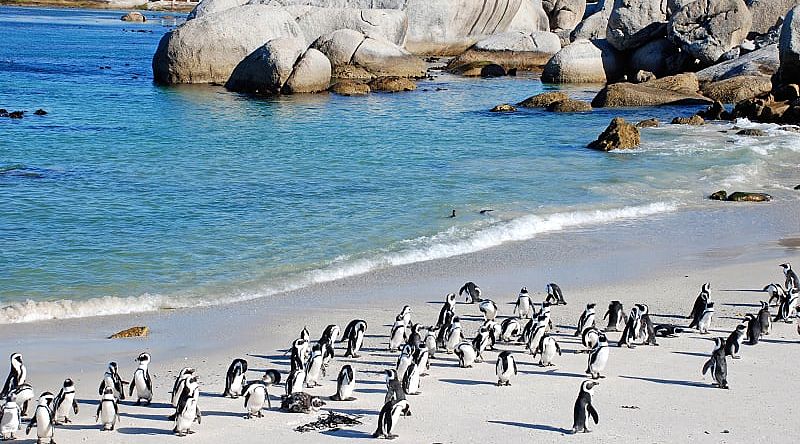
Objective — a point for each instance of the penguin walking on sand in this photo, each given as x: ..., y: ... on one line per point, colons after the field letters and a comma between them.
x: 397, y: 335
x: 422, y: 359
x: 411, y: 380
x: 704, y: 322
x: 354, y: 334
x: 776, y: 293
x: 430, y: 342
x: 453, y: 335
x: 628, y: 337
x: 734, y: 341
x: 448, y: 309
x: 180, y: 383
x: 415, y: 337
x: 699, y: 305
x: 489, y: 309
x: 473, y: 292
x: 754, y: 331
x: 466, y: 354
x: 587, y: 319
x: 10, y: 419
x: 43, y: 420
x: 112, y: 380
x: 792, y: 281
x: 616, y: 316
x: 598, y: 357
x: 394, y: 387
x: 188, y: 412
x: 787, y: 306
x: 765, y: 318
x: 345, y: 384
x: 65, y: 403
x: 235, y: 378
x: 314, y: 366
x: 505, y: 368
x: 256, y: 397
x: 404, y: 360
x: 141, y: 381
x: 16, y: 375
x: 548, y: 348
x: 717, y: 364
x: 554, y: 295
x: 584, y: 408
x: 480, y: 343
x: 535, y: 337
x: 524, y: 307
x: 22, y: 395
x: 329, y: 336
x: 389, y: 417
x: 647, y: 333
x: 296, y: 380
x: 107, y: 411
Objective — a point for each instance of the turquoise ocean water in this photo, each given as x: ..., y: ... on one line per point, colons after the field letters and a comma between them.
x: 131, y: 197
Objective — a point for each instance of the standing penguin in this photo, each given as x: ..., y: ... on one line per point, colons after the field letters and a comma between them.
x: 524, y: 306
x: 535, y: 336
x: 598, y: 357
x: 180, y: 383
x: 717, y: 364
x: 646, y: 330
x: 345, y: 384
x: 548, y: 348
x: 505, y: 368
x: 510, y: 330
x: 330, y: 335
x: 791, y: 277
x: 314, y: 366
x: 354, y: 334
x: 415, y: 337
x: 389, y: 417
x: 296, y: 380
x: 734, y: 341
x: 590, y: 337
x: 397, y: 335
x: 704, y: 323
x: 111, y: 379
x: 586, y: 320
x: 141, y: 381
x: 699, y: 305
x: 753, y: 329
x: 453, y: 336
x: 16, y: 375
x: 65, y: 403
x: 554, y: 295
x: 430, y: 342
x: 466, y: 354
x: 394, y: 388
x: 188, y: 412
x: 235, y: 378
x: 22, y: 396
x: 776, y: 293
x: 255, y: 397
x: 405, y: 359
x: 10, y: 419
x: 480, y: 343
x: 422, y: 359
x: 787, y: 306
x: 616, y: 316
x: 43, y: 420
x: 631, y: 329
x: 584, y: 407
x: 473, y: 292
x: 411, y: 380
x: 107, y: 411
x: 764, y: 318
x: 489, y: 309
x: 448, y: 307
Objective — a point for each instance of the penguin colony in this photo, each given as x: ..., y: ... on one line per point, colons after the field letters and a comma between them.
x: 530, y: 327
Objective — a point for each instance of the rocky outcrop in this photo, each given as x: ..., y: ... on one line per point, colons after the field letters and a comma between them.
x: 382, y: 24
x: 503, y: 108
x: 569, y: 106
x: 350, y: 88
x: 680, y: 89
x: 530, y: 18
x: 768, y: 12
x: 753, y: 132
x: 619, y: 135
x: 543, y: 100
x: 392, y: 84
x: 355, y: 55
x: 526, y: 51
x: 741, y: 196
x: 283, y: 65
x: 564, y: 14
x: 133, y: 332
x: 208, y: 48
x: 707, y: 29
x: 134, y: 16
x: 632, y: 23
x: 736, y: 89
x: 660, y: 57
x: 584, y: 61
x: 648, y: 123
x: 693, y: 121
x: 763, y: 61
x: 594, y: 26
x: 206, y: 7
x: 789, y: 46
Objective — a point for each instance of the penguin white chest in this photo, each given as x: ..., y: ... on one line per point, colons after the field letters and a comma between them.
x: 256, y: 400
x: 10, y: 421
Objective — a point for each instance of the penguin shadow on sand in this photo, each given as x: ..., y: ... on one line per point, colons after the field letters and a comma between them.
x: 540, y: 427
x: 555, y: 372
x: 698, y: 354
x: 139, y: 431
x: 705, y: 385
x: 468, y: 382
x: 348, y: 434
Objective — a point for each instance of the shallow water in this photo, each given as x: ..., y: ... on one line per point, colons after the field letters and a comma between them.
x: 131, y: 197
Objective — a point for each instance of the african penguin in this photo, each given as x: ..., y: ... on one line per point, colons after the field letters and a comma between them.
x: 107, y: 411
x: 389, y: 416
x: 548, y: 348
x: 187, y: 412
x: 524, y: 306
x: 776, y: 293
x: 397, y: 334
x: 616, y: 316
x: 296, y: 380
x: 141, y: 381
x: 448, y: 307
x: 586, y: 320
x: 489, y: 309
x: 589, y: 338
x: 453, y: 336
x: 422, y: 359
x: 354, y: 334
x: 112, y: 380
x: 345, y: 384
x: 180, y: 382
x: 473, y: 292
x: 764, y: 318
x: 394, y: 388
x: 466, y: 354
x: 10, y: 419
x: 699, y: 305
x: 753, y: 332
x: 735, y: 340
x: 717, y: 364
x: 480, y: 343
x: 505, y: 368
x: 584, y: 408
x: 792, y: 280
x: 411, y: 380
x: 646, y: 330
x: 65, y: 403
x: 704, y: 323
x: 255, y: 397
x: 598, y: 357
x: 22, y: 395
x: 330, y: 335
x: 405, y: 359
x: 535, y: 337
x: 668, y: 330
x: 628, y: 336
x: 314, y: 366
x: 235, y: 378
x: 43, y: 419
x: 16, y: 375
x: 510, y: 330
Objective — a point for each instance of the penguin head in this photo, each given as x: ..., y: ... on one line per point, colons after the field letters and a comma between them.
x: 16, y: 359
x: 46, y: 398
x: 588, y: 385
x: 108, y: 392
x: 143, y: 358
x: 391, y: 374
x: 524, y: 290
x: 317, y: 403
x: 112, y: 367
x: 718, y: 343
x: 68, y: 383
x: 786, y: 266
x: 741, y: 327
x: 706, y: 287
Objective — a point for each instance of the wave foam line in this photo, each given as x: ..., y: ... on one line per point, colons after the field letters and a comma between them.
x: 452, y: 242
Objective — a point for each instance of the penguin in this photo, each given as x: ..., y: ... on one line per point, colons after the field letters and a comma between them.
x: 699, y: 305
x: 631, y: 329
x: 411, y: 380
x: 452, y: 215
x: 108, y: 410
x: 586, y: 320
x: 405, y: 359
x: 753, y: 332
x: 327, y: 356
x: 405, y: 314
x: 598, y: 357
x: 524, y: 306
x: 10, y: 419
x: 589, y: 338
x: 584, y: 407
x: 442, y: 331
x: 188, y: 412
x: 489, y: 309
x: 787, y: 307
x: 765, y: 319
x: 792, y: 281
x: 415, y: 337
x: 668, y: 330
x: 314, y: 366
x: 235, y: 378
x: 717, y: 364
x: 453, y: 336
x: 345, y: 384
x: 776, y: 293
x: 473, y: 293
x: 43, y: 420
x: 616, y: 316
x: 330, y: 335
x: 548, y: 348
x: 554, y: 295
x: 646, y: 330
x: 495, y: 330
x: 430, y: 342
x: 297, y: 358
x: 510, y: 330
x: 255, y: 397
x: 735, y: 340
x: 505, y: 368
x: 22, y: 396
x: 295, y: 381
x: 704, y: 322
x: 389, y: 416
x: 448, y: 307
x: 271, y: 377
x: 397, y: 335
x: 65, y: 403
x: 535, y: 338
x: 180, y: 382
x: 394, y: 388
x: 305, y: 334
x: 480, y: 343
x: 16, y: 375
x: 545, y: 311
x: 466, y: 354
x: 422, y: 360
x: 141, y: 381
x: 354, y: 333
x: 111, y: 379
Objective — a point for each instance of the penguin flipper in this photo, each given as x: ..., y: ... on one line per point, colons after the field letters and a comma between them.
x: 75, y: 406
x: 708, y: 365
x: 558, y: 348
x: 31, y: 425
x: 593, y: 413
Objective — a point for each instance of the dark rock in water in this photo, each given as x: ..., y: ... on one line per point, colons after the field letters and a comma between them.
x: 40, y: 112
x: 350, y: 88
x: 751, y: 132
x: 740, y: 196
x: 3, y: 112
x: 16, y: 114
x: 471, y: 69
x: 673, y: 90
x: 715, y: 112
x: 648, y: 123
x: 492, y: 70
x: 791, y: 129
x: 504, y: 108
x: 569, y: 106
x: 134, y: 16
x: 392, y: 84
x: 719, y: 195
x: 797, y: 187
x: 619, y: 135
x: 543, y: 100
x: 695, y: 120
x: 512, y: 72
x: 786, y: 92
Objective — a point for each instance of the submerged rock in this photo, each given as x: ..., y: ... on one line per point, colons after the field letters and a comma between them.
x: 350, y: 88
x: 16, y: 114
x: 719, y: 195
x: 716, y: 111
x: 392, y: 84
x: 40, y: 112
x: 504, y: 108
x: 569, y: 106
x: 134, y: 16
x: 695, y: 120
x: 740, y: 196
x: 543, y: 100
x: 648, y: 123
x: 493, y: 70
x: 133, y: 332
x: 751, y: 132
x: 619, y: 135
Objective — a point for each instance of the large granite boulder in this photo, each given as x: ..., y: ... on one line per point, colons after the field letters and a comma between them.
x: 594, y: 26
x: 531, y: 17
x: 633, y: 23
x: 768, y: 12
x: 543, y: 100
x: 680, y: 89
x: 584, y: 61
x: 619, y: 135
x: 282, y: 65
x: 208, y: 48
x: 707, y: 29
x: 659, y: 57
x: 564, y: 14
x: 789, y: 46
x: 736, y: 89
x: 355, y: 55
x: 519, y: 50
x: 764, y: 61
x: 206, y: 7
x: 389, y: 24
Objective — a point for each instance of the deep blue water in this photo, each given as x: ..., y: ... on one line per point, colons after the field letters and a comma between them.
x: 193, y: 195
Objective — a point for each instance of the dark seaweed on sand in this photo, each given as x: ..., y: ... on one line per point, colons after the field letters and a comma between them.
x: 331, y: 421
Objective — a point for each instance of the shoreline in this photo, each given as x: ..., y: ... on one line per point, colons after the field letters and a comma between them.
x: 89, y: 5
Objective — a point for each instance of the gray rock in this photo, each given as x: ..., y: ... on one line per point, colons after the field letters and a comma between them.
x: 206, y: 7
x: 633, y: 23
x: 382, y: 58
x: 768, y: 12
x: 789, y: 46
x: 564, y: 14
x: 660, y: 57
x: 764, y: 61
x: 388, y: 24
x: 584, y: 61
x: 134, y: 16
x: 530, y: 18
x: 594, y: 26
x: 736, y: 89
x: 340, y: 45
x: 312, y: 73
x: 707, y: 29
x: 512, y: 50
x: 644, y: 94
x: 267, y: 69
x: 543, y: 100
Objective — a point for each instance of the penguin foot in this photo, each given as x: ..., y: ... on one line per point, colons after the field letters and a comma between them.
x: 736, y: 357
x: 391, y: 436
